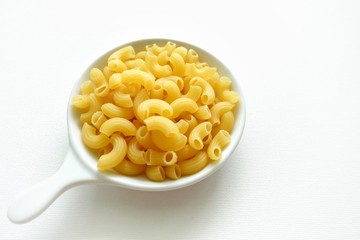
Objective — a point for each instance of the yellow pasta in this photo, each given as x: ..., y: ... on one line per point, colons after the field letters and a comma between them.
x: 168, y: 143
x: 218, y: 110
x: 143, y: 137
x: 116, y: 155
x: 203, y: 113
x: 87, y: 87
x: 162, y: 124
x: 153, y: 65
x: 129, y: 168
x: 186, y: 152
x: 171, y: 91
x: 155, y: 173
x: 221, y: 139
x: 81, y: 101
x: 97, y: 119
x: 123, y: 54
x: 112, y: 111
x: 178, y: 64
x: 135, y: 76
x: 198, y: 134
x: 208, y: 94
x: 91, y: 139
x: 194, y: 93
x: 154, y: 106
x: 192, y: 56
x: 116, y: 124
x: 173, y: 172
x: 135, y: 152
x: 226, y: 123
x: 206, y: 73
x: 181, y: 105
x: 161, y: 112
x: 182, y: 125
x: 94, y: 106
x: 160, y: 158
x: 194, y: 164
x: 122, y: 99
x: 99, y: 79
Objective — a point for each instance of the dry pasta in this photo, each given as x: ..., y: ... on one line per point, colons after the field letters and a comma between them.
x: 159, y: 112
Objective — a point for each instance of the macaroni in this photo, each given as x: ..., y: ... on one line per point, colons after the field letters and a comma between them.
x: 221, y: 139
x: 161, y: 112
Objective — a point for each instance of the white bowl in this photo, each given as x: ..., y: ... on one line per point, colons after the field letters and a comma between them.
x: 80, y: 165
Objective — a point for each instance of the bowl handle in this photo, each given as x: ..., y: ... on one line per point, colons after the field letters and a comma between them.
x: 31, y: 203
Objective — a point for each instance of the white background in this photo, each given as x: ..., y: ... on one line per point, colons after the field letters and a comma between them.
x: 296, y: 171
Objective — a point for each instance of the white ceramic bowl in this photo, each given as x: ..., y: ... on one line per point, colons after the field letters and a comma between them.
x: 80, y: 165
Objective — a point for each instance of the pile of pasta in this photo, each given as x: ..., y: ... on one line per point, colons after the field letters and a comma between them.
x: 159, y: 112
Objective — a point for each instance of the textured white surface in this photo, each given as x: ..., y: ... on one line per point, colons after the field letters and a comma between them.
x: 296, y: 172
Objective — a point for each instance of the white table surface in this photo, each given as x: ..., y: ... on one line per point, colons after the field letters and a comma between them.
x: 296, y: 171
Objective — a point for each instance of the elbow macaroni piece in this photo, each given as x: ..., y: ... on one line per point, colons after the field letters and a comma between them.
x: 198, y: 134
x: 161, y: 112
x: 116, y: 155
x: 221, y: 139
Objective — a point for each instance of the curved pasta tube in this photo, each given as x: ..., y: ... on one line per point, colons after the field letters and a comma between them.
x: 167, y: 158
x: 136, y: 63
x: 163, y: 58
x: 178, y: 64
x: 173, y: 172
x: 193, y: 122
x: 87, y: 87
x: 162, y: 124
x: 223, y: 92
x: 115, y: 81
x: 123, y: 54
x: 221, y: 139
x: 208, y: 94
x: 171, y: 91
x: 143, y: 137
x: 183, y: 105
x: 218, y: 110
x: 186, y: 152
x: 203, y: 113
x: 116, y: 124
x: 176, y: 79
x: 194, y: 164
x: 107, y: 73
x: 135, y: 76
x: 181, y: 51
x: 226, y: 123
x: 182, y: 125
x: 152, y: 106
x: 135, y: 152
x: 117, y: 66
x: 91, y: 139
x: 116, y: 155
x: 95, y: 105
x: 192, y: 56
x: 99, y: 79
x: 173, y: 143
x: 194, y: 93
x: 205, y: 73
x: 155, y: 173
x: 80, y: 102
x: 122, y: 99
x: 139, y: 98
x: 97, y: 119
x: 198, y: 134
x: 113, y: 111
x: 129, y: 168
x: 154, y: 66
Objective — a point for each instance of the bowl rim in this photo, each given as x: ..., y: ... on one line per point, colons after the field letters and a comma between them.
x: 141, y: 182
